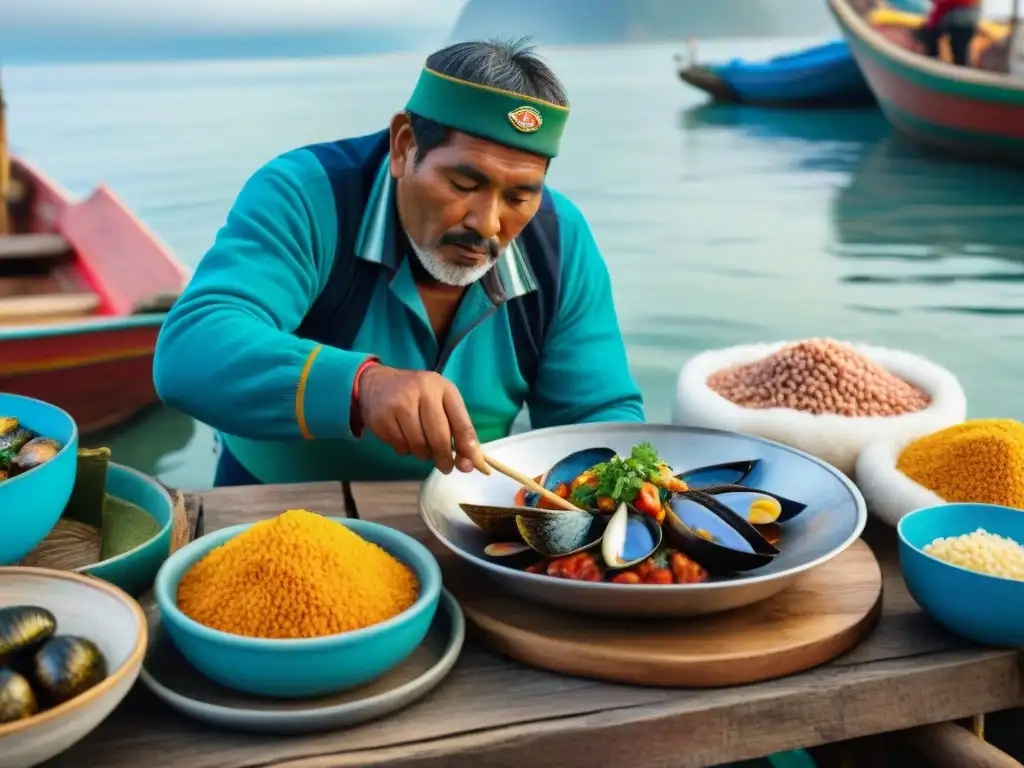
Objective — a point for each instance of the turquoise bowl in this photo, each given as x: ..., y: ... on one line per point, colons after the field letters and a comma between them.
x: 134, y: 570
x: 301, y: 668
x: 975, y: 606
x: 31, y: 504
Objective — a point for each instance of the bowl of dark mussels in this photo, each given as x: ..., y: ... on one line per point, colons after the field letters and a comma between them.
x: 38, y: 463
x: 71, y: 647
x: 661, y: 520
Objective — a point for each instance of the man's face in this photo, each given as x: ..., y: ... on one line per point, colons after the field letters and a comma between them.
x: 464, y: 202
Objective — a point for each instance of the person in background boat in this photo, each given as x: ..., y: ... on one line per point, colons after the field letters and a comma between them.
x: 956, y: 18
x: 371, y: 302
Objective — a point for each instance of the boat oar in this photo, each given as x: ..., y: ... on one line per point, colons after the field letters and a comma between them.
x: 531, y: 484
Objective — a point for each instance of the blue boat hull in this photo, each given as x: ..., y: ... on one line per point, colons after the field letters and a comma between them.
x: 826, y: 75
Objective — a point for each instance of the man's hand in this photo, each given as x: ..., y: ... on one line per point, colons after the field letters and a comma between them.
x: 419, y: 412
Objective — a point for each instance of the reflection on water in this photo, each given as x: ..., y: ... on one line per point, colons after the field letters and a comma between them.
x: 898, y: 192
x: 946, y: 234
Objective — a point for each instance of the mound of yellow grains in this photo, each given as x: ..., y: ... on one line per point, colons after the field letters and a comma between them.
x: 979, y: 461
x: 819, y: 376
x: 983, y: 552
x: 296, y: 575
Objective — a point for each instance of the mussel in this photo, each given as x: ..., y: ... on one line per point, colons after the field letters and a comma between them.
x: 12, y: 437
x: 714, y: 536
x: 558, y: 534
x: 65, y: 667
x: 629, y: 538
x: 17, y: 700
x: 23, y: 628
x: 35, y: 452
x: 731, y: 473
x: 567, y: 470
x: 625, y: 538
x: 500, y: 522
x: 756, y: 506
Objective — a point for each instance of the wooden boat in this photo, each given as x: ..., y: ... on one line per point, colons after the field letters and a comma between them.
x: 824, y: 75
x: 84, y: 289
x: 975, y: 112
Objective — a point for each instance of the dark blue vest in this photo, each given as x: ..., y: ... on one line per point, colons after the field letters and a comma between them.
x: 338, y: 312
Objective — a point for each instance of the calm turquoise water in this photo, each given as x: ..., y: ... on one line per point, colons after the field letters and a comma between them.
x: 720, y: 226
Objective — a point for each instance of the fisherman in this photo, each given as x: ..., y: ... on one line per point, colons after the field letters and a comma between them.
x: 377, y: 306
x: 956, y: 18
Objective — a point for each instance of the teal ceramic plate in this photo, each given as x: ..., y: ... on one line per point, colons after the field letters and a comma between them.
x: 171, y: 678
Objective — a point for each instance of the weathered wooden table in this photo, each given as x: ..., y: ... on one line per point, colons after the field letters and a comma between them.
x: 494, y: 712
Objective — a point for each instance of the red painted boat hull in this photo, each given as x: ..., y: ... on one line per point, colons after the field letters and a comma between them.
x: 99, y: 368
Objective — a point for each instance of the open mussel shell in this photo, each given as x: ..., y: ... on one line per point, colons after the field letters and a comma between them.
x: 731, y: 473
x: 730, y: 543
x: 506, y: 548
x: 500, y: 522
x: 559, y: 534
x: 749, y: 502
x: 629, y: 538
x: 567, y: 470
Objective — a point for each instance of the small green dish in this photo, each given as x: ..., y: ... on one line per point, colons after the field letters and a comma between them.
x: 118, y: 521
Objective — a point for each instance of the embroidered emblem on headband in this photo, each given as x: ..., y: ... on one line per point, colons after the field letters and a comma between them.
x: 525, y: 119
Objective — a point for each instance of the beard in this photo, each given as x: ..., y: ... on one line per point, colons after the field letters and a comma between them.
x: 449, y: 274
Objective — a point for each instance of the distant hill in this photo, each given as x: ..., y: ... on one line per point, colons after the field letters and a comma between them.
x: 562, y: 22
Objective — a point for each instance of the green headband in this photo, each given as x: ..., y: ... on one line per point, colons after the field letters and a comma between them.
x: 522, y: 122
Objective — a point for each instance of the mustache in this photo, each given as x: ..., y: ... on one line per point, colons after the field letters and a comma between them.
x: 471, y: 239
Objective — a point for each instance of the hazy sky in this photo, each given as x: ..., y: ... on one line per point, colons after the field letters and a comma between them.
x: 250, y: 14
x: 225, y: 13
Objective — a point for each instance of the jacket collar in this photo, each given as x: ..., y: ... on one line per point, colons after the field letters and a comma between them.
x: 376, y: 242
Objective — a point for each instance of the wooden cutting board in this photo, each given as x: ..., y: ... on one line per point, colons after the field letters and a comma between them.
x: 824, y: 614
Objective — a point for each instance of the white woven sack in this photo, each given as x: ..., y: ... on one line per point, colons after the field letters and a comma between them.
x: 835, y: 439
x: 889, y: 493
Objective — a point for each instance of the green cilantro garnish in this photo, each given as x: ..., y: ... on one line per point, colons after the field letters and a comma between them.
x: 621, y: 478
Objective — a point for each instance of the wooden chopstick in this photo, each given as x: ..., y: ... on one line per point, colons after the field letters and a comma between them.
x: 530, y: 484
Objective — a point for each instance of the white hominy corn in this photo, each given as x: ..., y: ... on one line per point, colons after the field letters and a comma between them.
x: 983, y: 552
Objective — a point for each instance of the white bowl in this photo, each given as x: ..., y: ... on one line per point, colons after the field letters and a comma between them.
x: 91, y: 608
x: 889, y: 493
x: 837, y: 440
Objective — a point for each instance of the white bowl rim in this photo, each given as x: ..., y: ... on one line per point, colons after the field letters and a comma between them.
x: 708, y: 586
x: 114, y: 677
x: 73, y: 440
x: 169, y: 525
x: 920, y: 550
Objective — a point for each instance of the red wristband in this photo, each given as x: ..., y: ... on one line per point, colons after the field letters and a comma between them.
x: 355, y: 419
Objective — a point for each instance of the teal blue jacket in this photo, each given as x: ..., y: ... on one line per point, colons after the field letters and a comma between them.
x: 239, y: 350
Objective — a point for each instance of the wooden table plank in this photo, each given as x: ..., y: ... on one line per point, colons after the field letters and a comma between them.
x: 224, y: 507
x: 494, y: 712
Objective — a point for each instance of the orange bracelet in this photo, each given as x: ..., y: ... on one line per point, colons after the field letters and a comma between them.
x: 355, y: 419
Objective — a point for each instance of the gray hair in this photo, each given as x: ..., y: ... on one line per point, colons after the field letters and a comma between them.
x: 510, y: 65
